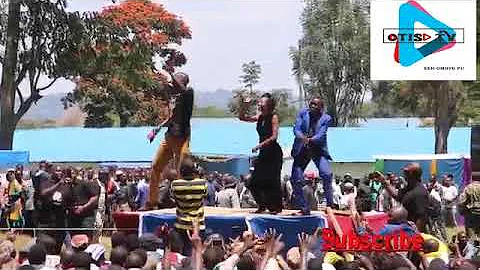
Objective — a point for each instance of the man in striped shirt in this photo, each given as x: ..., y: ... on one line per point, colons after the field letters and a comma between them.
x: 189, y: 194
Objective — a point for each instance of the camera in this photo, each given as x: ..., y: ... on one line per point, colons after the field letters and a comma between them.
x: 217, y: 242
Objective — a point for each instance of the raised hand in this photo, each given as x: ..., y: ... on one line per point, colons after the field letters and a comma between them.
x: 166, y: 75
x: 165, y: 261
x: 248, y: 239
x: 380, y: 177
x: 303, y: 242
x: 272, y: 243
x: 151, y: 135
x: 195, y: 236
x: 237, y: 245
x: 247, y: 100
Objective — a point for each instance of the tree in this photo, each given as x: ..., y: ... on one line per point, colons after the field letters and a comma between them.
x: 335, y: 56
x: 211, y: 112
x: 469, y: 111
x: 251, y: 75
x: 286, y: 112
x: 297, y: 71
x: 238, y: 97
x: 38, y: 40
x: 439, y: 99
x: 282, y: 97
x: 118, y: 76
x: 385, y: 100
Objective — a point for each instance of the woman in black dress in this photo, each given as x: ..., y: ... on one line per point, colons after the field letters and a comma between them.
x: 265, y: 182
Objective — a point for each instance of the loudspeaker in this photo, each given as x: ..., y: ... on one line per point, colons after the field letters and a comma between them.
x: 475, y: 149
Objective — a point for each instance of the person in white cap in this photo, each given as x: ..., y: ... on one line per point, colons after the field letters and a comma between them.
x: 348, y: 199
x: 97, y: 252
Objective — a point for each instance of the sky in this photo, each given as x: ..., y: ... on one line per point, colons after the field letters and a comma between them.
x: 226, y: 34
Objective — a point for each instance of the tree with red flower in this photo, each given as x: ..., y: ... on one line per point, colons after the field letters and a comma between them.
x: 117, y: 63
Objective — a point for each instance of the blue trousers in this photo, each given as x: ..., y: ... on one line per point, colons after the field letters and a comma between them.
x: 300, y: 163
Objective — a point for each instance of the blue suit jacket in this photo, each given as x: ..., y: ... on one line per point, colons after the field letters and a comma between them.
x: 319, y: 140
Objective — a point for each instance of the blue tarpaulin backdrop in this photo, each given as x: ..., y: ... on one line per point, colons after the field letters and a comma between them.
x: 225, y: 137
x: 13, y: 158
x: 228, y: 226
x: 430, y: 164
x: 233, y: 225
x: 396, y: 166
x: 290, y: 227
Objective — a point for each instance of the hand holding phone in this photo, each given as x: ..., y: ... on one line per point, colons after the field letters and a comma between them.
x: 151, y: 135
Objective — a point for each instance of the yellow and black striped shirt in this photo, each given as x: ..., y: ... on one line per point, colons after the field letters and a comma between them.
x: 189, y: 196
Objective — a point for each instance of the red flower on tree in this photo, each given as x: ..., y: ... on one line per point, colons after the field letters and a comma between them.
x: 147, y: 22
x: 118, y: 66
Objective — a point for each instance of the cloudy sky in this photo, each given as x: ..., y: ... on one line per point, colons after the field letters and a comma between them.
x: 225, y: 34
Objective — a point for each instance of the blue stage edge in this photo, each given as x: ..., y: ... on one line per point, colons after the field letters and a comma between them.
x: 231, y: 226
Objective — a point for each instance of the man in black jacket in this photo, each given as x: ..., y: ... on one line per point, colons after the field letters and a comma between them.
x: 51, y: 198
x: 177, y: 138
x: 84, y: 204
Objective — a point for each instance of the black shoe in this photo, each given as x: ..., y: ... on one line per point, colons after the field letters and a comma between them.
x: 301, y: 213
x: 259, y: 211
x: 275, y: 212
x: 148, y: 207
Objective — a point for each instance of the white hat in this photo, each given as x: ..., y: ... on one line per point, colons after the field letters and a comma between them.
x: 348, y: 185
x: 119, y: 172
x: 95, y: 251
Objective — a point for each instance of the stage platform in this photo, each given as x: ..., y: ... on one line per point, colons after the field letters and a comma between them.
x: 232, y: 222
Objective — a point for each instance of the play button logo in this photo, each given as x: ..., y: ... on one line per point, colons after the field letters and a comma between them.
x: 423, y: 40
x: 405, y: 53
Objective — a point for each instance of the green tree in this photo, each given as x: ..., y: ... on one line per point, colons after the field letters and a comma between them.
x: 469, y: 111
x: 210, y: 112
x: 118, y: 75
x: 286, y: 112
x: 238, y: 96
x: 335, y: 56
x: 384, y: 101
x: 251, y: 74
x: 297, y: 71
x: 438, y: 99
x: 38, y: 39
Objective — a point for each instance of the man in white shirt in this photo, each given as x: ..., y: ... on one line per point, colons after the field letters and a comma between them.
x: 228, y: 196
x: 348, y: 199
x: 337, y: 192
x: 435, y: 193
x: 450, y: 194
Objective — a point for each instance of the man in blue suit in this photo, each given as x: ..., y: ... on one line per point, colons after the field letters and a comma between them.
x: 311, y: 144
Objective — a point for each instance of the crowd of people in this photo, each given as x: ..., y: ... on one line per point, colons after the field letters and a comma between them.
x: 74, y: 200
